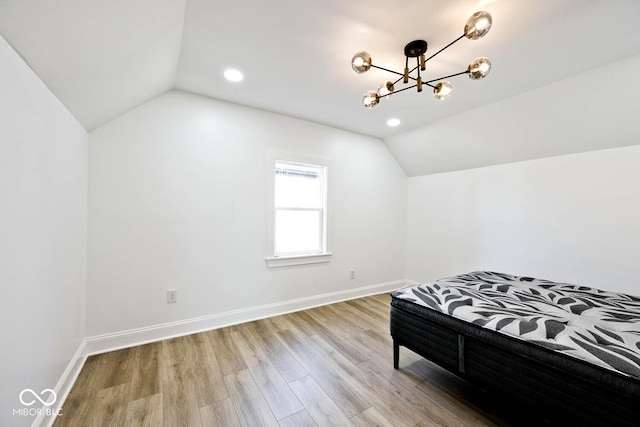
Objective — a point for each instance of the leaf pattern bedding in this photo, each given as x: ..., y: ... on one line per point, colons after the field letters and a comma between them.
x: 597, y: 326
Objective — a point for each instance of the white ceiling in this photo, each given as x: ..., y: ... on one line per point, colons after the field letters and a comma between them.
x: 103, y: 57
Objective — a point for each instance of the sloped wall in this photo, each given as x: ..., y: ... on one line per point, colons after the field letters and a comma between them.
x: 43, y: 220
x: 595, y: 110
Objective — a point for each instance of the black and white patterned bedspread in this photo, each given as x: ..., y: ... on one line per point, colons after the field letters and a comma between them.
x: 593, y: 325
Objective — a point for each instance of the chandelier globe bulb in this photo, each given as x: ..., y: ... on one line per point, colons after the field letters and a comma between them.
x: 370, y: 99
x: 478, y: 25
x: 479, y: 68
x: 442, y: 90
x: 361, y: 62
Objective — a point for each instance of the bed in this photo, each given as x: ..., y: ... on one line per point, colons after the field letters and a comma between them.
x: 571, y: 353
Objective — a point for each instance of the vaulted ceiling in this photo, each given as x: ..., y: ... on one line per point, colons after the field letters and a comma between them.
x: 103, y: 57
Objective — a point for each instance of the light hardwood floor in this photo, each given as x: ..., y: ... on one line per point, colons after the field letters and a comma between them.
x: 330, y: 365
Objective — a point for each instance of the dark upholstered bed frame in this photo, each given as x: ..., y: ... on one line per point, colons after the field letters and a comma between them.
x: 557, y: 387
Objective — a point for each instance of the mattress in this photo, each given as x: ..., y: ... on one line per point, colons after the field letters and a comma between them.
x: 599, y: 327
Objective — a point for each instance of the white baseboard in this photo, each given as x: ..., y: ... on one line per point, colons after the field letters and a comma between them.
x: 118, y: 340
x: 64, y: 385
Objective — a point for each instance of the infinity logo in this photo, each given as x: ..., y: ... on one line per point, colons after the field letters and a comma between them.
x: 42, y: 393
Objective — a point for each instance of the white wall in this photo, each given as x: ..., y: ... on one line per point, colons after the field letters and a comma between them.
x: 177, y: 200
x: 43, y: 198
x: 571, y: 218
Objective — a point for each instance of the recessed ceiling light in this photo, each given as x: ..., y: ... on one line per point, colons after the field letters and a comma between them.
x: 233, y: 75
x: 393, y: 122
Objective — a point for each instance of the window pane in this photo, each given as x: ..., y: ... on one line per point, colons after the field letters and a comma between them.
x: 297, y: 231
x: 299, y: 186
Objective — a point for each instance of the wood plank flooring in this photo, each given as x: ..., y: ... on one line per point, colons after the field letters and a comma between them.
x: 327, y: 366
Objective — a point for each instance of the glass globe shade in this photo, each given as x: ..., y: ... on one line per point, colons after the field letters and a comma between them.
x: 442, y: 90
x: 479, y: 68
x: 361, y: 62
x: 370, y: 99
x: 478, y: 25
x: 385, y: 89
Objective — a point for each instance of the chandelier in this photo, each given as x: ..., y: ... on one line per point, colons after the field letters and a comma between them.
x: 476, y: 27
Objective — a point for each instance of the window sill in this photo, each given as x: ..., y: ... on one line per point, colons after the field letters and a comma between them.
x: 287, y: 261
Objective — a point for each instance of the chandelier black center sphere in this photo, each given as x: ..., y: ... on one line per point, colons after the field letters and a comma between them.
x: 476, y: 27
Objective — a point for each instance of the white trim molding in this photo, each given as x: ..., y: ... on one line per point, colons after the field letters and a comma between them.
x: 63, y: 387
x: 287, y: 261
x: 129, y: 338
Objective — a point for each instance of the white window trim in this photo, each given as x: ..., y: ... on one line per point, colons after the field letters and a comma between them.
x: 271, y: 260
x: 287, y: 261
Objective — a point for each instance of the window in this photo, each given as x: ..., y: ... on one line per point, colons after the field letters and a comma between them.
x: 299, y: 218
x: 299, y: 199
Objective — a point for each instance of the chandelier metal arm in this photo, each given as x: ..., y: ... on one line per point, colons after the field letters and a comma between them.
x: 447, y: 77
x: 446, y: 47
x: 408, y: 87
x: 400, y: 90
x: 386, y: 69
x: 394, y: 72
x: 404, y: 88
x: 414, y: 68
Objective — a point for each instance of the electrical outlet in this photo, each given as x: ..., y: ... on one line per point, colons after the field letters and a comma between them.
x: 172, y: 296
x: 352, y: 274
